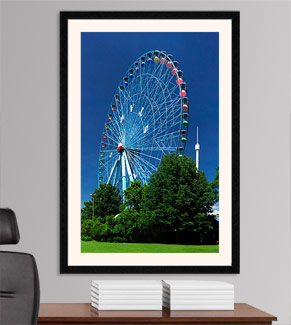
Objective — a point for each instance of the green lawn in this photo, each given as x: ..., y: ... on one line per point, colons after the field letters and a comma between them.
x: 101, y: 247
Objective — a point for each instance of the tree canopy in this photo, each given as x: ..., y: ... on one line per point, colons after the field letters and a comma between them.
x: 175, y: 207
x: 107, y: 201
x: 178, y: 193
x: 133, y: 196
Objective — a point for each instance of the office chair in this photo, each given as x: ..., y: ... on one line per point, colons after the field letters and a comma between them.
x: 19, y: 283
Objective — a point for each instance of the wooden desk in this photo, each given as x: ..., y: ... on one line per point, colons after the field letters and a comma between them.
x: 78, y: 314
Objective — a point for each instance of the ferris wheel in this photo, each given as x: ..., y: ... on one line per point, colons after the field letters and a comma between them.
x: 147, y: 119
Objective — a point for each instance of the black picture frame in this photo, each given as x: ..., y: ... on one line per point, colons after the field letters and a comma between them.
x: 213, y: 15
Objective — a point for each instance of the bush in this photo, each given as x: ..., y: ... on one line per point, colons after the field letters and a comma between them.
x: 86, y: 238
x: 86, y: 229
x: 118, y: 239
x: 126, y: 225
x: 99, y: 230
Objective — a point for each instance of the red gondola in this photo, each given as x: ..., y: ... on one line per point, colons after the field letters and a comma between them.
x: 185, y: 107
x: 174, y: 71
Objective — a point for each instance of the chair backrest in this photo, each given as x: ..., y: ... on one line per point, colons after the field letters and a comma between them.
x: 19, y: 282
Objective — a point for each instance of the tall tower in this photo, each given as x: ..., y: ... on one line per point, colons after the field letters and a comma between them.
x: 197, y: 149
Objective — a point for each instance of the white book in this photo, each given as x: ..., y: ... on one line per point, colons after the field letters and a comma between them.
x: 202, y: 307
x: 126, y: 297
x: 125, y: 307
x: 218, y: 306
x: 198, y: 297
x: 126, y: 302
x: 196, y: 285
x: 121, y: 293
x: 197, y: 302
x: 127, y: 284
x: 179, y: 293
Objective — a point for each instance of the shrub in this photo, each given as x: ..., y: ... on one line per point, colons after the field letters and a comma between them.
x: 86, y: 229
x: 118, y: 239
x: 99, y: 230
x: 86, y: 238
x: 126, y: 225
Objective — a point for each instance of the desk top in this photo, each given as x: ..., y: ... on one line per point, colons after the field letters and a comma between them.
x: 83, y: 312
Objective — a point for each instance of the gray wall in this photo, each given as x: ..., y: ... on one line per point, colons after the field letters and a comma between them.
x: 30, y: 144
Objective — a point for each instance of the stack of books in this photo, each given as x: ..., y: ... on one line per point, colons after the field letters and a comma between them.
x: 198, y: 295
x: 127, y: 295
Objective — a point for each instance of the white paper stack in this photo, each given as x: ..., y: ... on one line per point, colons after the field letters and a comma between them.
x: 198, y: 295
x: 127, y: 294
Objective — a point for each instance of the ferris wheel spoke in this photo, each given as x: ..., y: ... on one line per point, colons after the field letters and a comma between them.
x: 153, y: 91
x: 162, y: 137
x: 149, y: 80
x: 163, y: 148
x: 153, y: 148
x: 140, y: 170
x: 156, y: 89
x: 170, y: 92
x: 139, y: 152
x: 116, y: 128
x: 160, y: 128
x: 145, y: 165
x: 170, y: 108
x: 109, y: 150
x: 140, y: 122
x: 165, y: 99
x: 132, y: 165
x: 136, y: 155
x: 109, y: 147
x: 112, y: 138
x: 121, y: 124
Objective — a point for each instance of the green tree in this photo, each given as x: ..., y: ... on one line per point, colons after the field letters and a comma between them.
x: 215, y: 185
x: 87, y: 211
x: 127, y: 225
x: 107, y: 201
x: 178, y: 195
x: 86, y: 229
x: 133, y: 196
x: 99, y: 231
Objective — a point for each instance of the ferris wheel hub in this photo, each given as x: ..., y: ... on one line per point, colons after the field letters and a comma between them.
x: 120, y: 147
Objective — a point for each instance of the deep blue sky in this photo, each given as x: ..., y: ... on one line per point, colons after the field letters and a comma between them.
x: 105, y: 58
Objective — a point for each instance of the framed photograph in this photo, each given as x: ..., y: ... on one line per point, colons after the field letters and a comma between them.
x: 149, y: 142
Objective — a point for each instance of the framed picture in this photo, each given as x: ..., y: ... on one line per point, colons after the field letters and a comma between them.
x: 149, y: 142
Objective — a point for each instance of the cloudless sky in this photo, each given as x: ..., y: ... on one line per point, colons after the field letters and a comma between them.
x: 105, y: 58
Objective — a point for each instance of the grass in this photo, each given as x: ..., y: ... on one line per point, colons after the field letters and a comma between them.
x: 103, y: 247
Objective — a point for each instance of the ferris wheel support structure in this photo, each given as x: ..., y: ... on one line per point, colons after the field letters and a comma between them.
x: 125, y: 169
